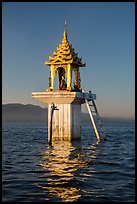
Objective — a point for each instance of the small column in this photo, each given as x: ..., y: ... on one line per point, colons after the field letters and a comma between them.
x: 69, y: 77
x: 77, y: 78
x: 52, y: 77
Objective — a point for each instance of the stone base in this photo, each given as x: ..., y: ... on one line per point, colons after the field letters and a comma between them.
x: 66, y: 123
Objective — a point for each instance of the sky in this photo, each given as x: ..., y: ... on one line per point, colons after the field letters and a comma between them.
x: 103, y: 34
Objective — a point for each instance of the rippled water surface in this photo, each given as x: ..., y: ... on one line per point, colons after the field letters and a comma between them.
x: 77, y: 171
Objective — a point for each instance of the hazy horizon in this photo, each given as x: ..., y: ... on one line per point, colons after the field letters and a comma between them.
x: 102, y: 33
x: 83, y: 111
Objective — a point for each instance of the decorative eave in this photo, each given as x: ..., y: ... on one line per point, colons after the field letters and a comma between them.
x: 65, y: 54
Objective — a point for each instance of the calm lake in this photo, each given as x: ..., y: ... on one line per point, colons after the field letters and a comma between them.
x: 68, y: 171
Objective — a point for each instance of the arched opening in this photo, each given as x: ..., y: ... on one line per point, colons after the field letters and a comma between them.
x: 62, y: 79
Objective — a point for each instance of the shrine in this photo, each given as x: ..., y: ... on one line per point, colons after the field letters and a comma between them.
x: 64, y: 103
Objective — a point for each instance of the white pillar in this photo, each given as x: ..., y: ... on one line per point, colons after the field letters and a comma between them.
x: 66, y: 123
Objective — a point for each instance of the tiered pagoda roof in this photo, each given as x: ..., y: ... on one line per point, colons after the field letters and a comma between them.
x: 65, y: 54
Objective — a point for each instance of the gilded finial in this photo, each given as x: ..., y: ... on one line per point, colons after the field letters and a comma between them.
x: 65, y: 26
x: 65, y: 29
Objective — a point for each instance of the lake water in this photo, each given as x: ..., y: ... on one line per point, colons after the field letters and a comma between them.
x: 77, y: 171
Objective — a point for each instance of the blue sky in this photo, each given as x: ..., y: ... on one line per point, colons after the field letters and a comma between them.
x: 102, y: 33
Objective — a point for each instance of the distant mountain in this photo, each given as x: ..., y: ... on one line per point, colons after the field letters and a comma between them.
x: 16, y: 112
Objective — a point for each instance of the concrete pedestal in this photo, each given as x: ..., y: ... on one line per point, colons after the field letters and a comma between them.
x: 66, y: 123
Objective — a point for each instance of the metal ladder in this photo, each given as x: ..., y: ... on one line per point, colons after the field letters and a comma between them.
x: 94, y: 123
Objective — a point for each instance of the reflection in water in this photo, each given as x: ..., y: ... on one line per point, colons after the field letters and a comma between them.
x: 62, y: 160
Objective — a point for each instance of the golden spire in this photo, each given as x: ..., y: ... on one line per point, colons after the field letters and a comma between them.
x: 64, y: 53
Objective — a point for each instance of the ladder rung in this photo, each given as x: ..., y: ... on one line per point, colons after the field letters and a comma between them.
x: 93, y: 111
x: 100, y: 125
